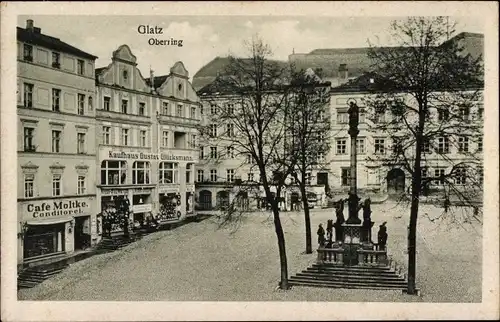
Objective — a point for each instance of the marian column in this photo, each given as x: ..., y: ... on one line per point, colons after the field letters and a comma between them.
x: 353, y: 133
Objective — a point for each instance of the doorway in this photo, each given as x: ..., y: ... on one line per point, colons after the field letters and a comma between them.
x: 82, y: 232
x: 395, y: 182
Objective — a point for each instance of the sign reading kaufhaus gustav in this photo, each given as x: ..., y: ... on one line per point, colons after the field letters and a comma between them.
x: 55, y: 208
x: 148, y: 156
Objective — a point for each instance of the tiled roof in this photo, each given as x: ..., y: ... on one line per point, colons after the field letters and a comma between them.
x: 157, y: 81
x: 38, y: 39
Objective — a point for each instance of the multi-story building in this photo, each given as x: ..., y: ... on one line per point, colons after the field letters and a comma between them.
x: 146, y: 134
x: 56, y: 147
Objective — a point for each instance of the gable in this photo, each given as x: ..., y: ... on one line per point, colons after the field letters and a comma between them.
x: 179, y: 70
x: 124, y: 53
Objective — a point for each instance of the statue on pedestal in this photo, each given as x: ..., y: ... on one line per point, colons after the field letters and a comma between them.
x: 367, y: 221
x: 339, y: 230
x: 329, y: 232
x: 321, y: 236
x: 382, y: 236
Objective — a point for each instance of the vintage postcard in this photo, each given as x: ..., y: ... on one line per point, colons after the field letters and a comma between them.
x: 249, y: 161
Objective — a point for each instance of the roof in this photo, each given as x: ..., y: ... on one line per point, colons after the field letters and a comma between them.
x: 157, y: 81
x: 36, y: 38
x: 208, y: 73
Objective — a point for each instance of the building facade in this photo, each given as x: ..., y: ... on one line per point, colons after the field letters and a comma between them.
x: 146, y: 134
x: 56, y: 147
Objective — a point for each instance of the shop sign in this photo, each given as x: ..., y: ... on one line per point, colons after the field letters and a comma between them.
x: 168, y: 189
x: 190, y: 187
x: 142, y: 208
x: 114, y: 192
x: 141, y: 191
x: 56, y: 208
x: 148, y: 156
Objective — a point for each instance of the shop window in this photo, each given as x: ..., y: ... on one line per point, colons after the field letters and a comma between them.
x: 43, y: 240
x: 168, y: 173
x: 29, y: 185
x: 141, y: 172
x: 113, y: 172
x: 56, y: 185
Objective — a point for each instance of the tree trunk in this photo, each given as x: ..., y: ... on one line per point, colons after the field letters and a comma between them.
x: 281, y: 248
x: 307, y: 217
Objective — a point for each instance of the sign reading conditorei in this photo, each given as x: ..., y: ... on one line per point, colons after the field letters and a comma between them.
x: 56, y: 208
x: 148, y: 156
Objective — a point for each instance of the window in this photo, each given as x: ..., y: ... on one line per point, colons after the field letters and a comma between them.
x: 230, y: 109
x: 397, y: 146
x: 201, y: 175
x: 165, y: 139
x: 230, y: 129
x: 169, y: 173
x: 460, y: 177
x: 379, y: 116
x: 107, y: 101
x: 56, y: 100
x: 202, y: 153
x: 213, y: 130
x: 192, y: 141
x: 479, y: 144
x: 464, y: 113
x: 308, y: 178
x: 193, y: 112
x: 81, y: 104
x: 80, y: 147
x: 213, y: 152
x: 91, y: 103
x: 379, y: 146
x: 81, y: 67
x: 142, y: 109
x: 250, y: 159
x: 165, y: 108
x: 423, y: 174
x: 250, y: 177
x: 180, y: 111
x: 213, y: 109
x: 443, y: 145
x: 345, y: 176
x: 56, y: 141
x: 113, y: 172
x: 56, y: 185
x: 320, y: 156
x: 81, y: 185
x: 56, y: 60
x: 230, y: 175
x: 28, y: 95
x: 439, y: 176
x: 124, y: 106
x: 28, y: 52
x: 360, y: 146
x: 106, y: 132
x: 321, y: 139
x: 28, y: 139
x: 321, y: 115
x: 141, y: 172
x: 213, y: 175
x: 426, y: 145
x: 125, y: 75
x: 230, y: 152
x: 463, y: 144
x: 341, y: 146
x: 29, y: 186
x: 342, y: 118
x: 124, y: 136
x: 142, y: 135
x: 443, y: 114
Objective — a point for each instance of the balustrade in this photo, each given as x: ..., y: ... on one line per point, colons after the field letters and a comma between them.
x: 330, y: 255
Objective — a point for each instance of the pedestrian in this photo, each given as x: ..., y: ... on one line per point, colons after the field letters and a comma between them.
x: 446, y: 204
x: 321, y: 235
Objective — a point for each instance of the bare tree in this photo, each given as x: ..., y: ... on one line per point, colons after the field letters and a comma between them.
x: 310, y: 127
x: 428, y: 98
x: 250, y: 102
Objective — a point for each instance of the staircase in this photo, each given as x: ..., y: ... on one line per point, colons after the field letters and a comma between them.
x: 109, y: 244
x: 351, y: 277
x: 32, y: 276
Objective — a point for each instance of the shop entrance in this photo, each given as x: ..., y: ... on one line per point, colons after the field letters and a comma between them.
x: 82, y: 232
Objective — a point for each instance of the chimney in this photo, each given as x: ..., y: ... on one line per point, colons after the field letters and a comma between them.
x: 29, y: 25
x: 343, y: 72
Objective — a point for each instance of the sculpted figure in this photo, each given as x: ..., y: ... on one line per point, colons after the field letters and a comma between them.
x: 382, y: 236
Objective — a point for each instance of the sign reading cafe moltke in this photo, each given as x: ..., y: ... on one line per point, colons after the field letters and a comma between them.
x: 56, y: 208
x: 148, y: 156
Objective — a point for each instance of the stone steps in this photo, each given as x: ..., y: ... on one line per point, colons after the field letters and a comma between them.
x: 32, y: 276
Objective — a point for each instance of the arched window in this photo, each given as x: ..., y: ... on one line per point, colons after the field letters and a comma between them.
x: 113, y: 172
x: 141, y: 171
x: 168, y: 173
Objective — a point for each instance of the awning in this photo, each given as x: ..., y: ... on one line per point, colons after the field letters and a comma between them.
x: 49, y: 221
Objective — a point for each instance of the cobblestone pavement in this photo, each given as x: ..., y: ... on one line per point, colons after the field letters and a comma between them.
x: 198, y: 261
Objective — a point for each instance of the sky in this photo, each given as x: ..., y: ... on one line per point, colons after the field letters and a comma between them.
x: 206, y: 37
